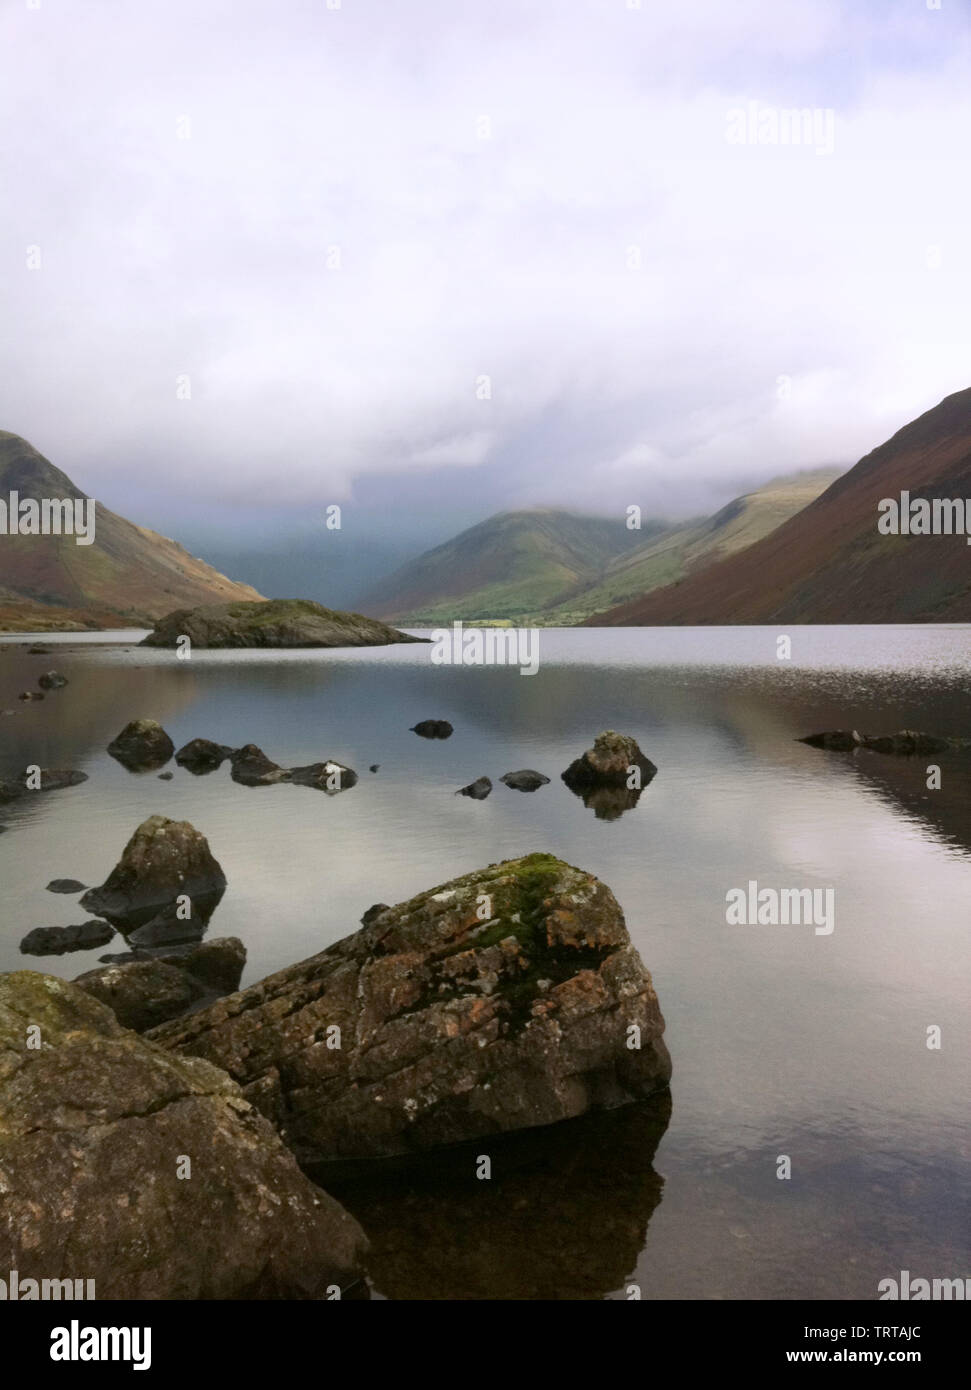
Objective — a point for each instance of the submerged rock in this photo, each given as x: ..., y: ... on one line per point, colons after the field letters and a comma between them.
x: 525, y: 780
x: 163, y: 861
x: 52, y: 680
x: 450, y: 1026
x: 201, y: 755
x: 273, y: 623
x: 906, y: 743
x: 433, y: 728
x: 142, y: 746
x: 478, y: 790
x: 66, y: 885
x: 104, y: 1121
x: 48, y: 780
x: 56, y: 941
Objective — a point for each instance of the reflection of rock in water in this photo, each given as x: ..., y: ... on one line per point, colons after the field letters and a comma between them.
x: 563, y: 1216
x: 609, y: 803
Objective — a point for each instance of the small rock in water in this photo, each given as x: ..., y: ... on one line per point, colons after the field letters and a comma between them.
x: 66, y: 885
x: 142, y: 746
x: 373, y: 768
x: 201, y: 756
x: 252, y: 768
x: 433, y: 728
x: 38, y: 651
x: 55, y: 941
x: 525, y: 781
x: 166, y: 776
x: 479, y: 789
x: 327, y: 777
x: 30, y: 695
x: 52, y: 680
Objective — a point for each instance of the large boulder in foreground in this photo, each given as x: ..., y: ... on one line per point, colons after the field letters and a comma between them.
x: 164, y: 860
x: 95, y: 1124
x: 451, y: 1026
x: 290, y: 622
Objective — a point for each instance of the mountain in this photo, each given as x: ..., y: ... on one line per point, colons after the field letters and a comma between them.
x: 683, y: 550
x: 513, y: 564
x: 128, y: 576
x: 829, y: 563
x: 553, y: 567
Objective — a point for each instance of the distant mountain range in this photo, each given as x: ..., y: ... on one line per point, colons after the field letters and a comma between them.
x: 511, y: 566
x: 829, y: 563
x: 556, y: 567
x: 805, y: 548
x: 128, y: 576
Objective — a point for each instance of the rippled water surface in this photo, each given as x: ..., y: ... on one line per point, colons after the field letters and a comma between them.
x: 784, y: 1042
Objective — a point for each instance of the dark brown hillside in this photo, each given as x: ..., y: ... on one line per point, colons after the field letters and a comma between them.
x: 829, y: 564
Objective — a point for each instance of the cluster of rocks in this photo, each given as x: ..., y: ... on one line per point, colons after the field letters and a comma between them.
x: 507, y: 999
x: 609, y: 777
x: 143, y: 746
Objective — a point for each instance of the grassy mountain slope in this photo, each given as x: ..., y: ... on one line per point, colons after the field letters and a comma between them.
x: 685, y: 549
x: 129, y: 575
x: 510, y: 565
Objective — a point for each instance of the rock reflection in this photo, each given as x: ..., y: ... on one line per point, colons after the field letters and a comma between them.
x: 563, y: 1216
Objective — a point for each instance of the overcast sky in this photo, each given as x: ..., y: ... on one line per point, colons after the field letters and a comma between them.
x: 329, y: 224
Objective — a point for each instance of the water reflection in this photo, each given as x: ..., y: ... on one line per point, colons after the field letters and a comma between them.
x: 564, y: 1214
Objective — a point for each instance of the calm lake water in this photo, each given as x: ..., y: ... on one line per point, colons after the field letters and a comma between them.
x: 784, y: 1042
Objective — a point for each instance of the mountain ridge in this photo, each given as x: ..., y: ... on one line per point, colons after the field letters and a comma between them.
x: 129, y: 576
x: 829, y: 563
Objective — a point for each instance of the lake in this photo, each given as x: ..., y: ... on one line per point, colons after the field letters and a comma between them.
x: 785, y: 1041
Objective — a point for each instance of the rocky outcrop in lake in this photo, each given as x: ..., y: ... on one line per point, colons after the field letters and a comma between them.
x: 477, y: 790
x: 432, y: 728
x: 165, y: 860
x: 602, y: 776
x: 273, y: 623
x: 142, y: 746
x: 252, y: 768
x: 200, y: 756
x: 508, y: 998
x: 98, y: 1127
